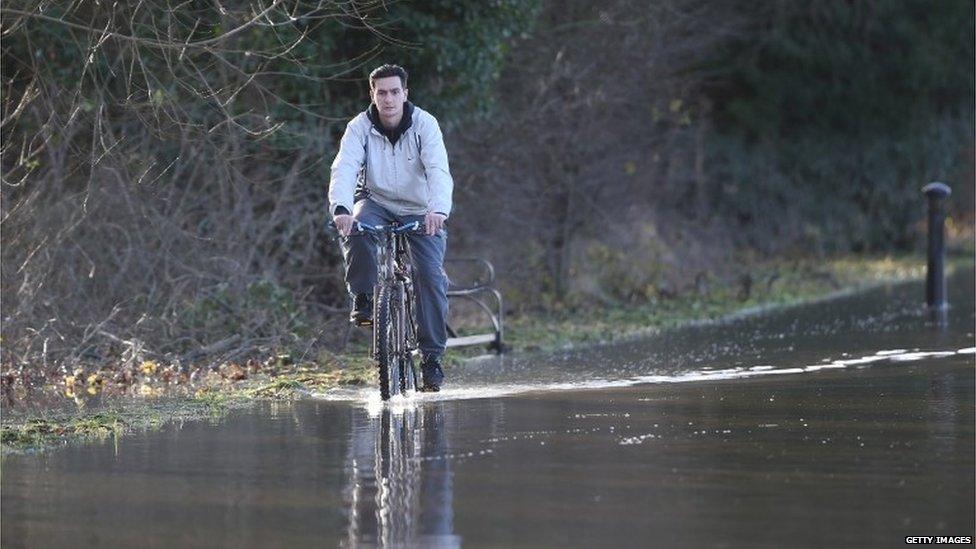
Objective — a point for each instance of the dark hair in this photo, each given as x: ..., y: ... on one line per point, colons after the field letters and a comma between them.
x: 387, y: 71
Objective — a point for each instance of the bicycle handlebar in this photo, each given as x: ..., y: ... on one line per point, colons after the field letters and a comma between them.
x: 361, y: 228
x: 413, y: 226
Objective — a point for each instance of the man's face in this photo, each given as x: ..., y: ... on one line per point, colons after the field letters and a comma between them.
x: 389, y: 96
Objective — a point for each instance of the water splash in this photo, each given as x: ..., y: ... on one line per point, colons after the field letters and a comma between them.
x: 370, y: 397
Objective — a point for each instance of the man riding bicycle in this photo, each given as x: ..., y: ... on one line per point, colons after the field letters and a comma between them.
x: 392, y: 166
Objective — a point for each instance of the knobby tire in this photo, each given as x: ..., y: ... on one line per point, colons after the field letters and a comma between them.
x: 385, y: 331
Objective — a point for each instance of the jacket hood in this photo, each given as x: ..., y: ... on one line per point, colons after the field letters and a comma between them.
x: 405, y: 122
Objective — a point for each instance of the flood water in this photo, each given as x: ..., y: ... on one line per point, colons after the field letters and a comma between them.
x: 849, y: 421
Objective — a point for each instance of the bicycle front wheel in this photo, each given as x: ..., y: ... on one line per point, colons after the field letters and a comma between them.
x: 385, y: 336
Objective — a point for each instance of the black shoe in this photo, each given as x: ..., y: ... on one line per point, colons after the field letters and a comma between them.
x: 432, y: 373
x: 362, y: 310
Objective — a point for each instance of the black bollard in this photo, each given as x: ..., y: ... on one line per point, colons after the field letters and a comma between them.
x: 935, y: 287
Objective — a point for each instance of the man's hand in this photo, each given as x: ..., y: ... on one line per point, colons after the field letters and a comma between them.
x: 434, y: 222
x: 344, y: 223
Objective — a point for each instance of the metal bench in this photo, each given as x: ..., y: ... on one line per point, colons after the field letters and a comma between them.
x: 483, y: 294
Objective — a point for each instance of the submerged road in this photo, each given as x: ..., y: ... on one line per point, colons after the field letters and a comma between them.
x: 849, y: 421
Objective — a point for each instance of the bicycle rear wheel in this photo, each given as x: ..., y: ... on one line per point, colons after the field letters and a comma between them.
x: 385, y: 331
x: 408, y: 377
x: 408, y: 370
x: 404, y: 336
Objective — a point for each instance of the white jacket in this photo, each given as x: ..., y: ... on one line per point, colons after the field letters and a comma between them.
x: 409, y: 178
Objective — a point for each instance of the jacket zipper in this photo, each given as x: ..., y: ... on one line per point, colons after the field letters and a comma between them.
x: 396, y: 176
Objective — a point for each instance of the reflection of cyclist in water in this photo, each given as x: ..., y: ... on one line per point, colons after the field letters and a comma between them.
x: 392, y: 166
x: 400, y: 489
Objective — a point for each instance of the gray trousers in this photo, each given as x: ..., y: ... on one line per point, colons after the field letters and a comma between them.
x: 429, y: 279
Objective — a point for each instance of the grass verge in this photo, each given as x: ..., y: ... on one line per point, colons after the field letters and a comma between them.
x: 769, y: 284
x: 38, y: 432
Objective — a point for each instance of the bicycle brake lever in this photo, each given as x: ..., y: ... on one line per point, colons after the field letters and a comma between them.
x: 412, y: 227
x: 364, y: 228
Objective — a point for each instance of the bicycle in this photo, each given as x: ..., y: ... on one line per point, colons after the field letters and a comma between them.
x: 394, y: 326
